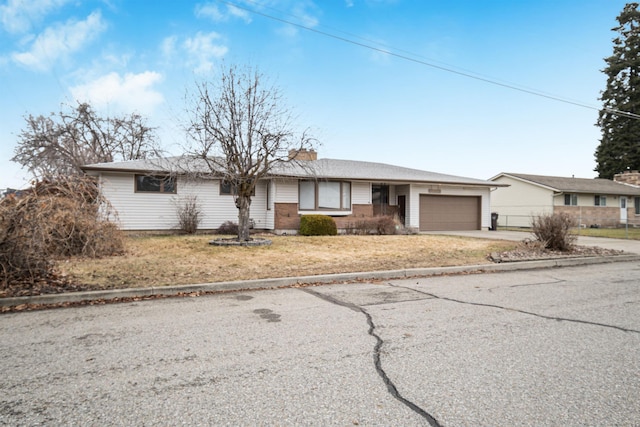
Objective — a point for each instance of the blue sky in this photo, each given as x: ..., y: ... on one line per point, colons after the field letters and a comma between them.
x: 140, y: 56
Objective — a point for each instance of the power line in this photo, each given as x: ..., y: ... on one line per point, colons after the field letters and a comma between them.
x: 415, y: 59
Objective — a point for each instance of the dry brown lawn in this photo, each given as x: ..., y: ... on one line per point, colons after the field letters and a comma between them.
x: 175, y: 260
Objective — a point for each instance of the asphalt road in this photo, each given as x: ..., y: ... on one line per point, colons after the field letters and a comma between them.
x: 556, y: 347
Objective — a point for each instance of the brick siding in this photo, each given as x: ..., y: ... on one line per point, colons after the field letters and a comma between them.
x: 604, y: 216
x: 287, y: 217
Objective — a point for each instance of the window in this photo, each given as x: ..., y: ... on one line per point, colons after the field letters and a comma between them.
x: 600, y: 200
x: 571, y: 200
x: 155, y: 184
x: 637, y: 205
x: 380, y: 194
x: 228, y: 188
x: 324, y: 195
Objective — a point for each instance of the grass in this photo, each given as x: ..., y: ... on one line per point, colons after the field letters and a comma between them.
x: 612, y: 233
x: 175, y: 260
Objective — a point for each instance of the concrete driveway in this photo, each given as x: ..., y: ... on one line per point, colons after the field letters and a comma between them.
x: 627, y: 245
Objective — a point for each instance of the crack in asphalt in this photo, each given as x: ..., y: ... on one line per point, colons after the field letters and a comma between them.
x: 376, y: 356
x: 555, y: 282
x: 516, y: 310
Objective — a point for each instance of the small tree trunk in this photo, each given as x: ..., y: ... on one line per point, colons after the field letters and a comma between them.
x: 243, y: 203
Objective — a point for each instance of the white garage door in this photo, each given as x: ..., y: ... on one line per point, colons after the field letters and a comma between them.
x: 449, y: 213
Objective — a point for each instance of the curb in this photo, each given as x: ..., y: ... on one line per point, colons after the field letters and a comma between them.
x: 260, y: 284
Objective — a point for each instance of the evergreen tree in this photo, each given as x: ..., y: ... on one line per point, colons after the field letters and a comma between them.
x: 619, y: 118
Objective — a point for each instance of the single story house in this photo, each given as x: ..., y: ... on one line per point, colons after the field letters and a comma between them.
x: 145, y: 194
x: 592, y: 202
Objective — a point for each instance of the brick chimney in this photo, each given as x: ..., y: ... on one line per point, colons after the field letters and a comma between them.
x: 628, y: 177
x: 303, y: 154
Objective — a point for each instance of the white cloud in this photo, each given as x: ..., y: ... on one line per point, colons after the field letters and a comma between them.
x: 60, y: 41
x: 168, y: 46
x: 304, y: 13
x: 202, y: 51
x: 131, y: 93
x: 213, y: 12
x: 19, y: 16
x: 239, y: 13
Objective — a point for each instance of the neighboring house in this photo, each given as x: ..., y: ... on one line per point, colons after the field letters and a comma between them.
x: 592, y: 202
x: 145, y: 194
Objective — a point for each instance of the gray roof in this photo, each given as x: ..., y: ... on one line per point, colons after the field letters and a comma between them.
x: 577, y: 185
x: 321, y: 168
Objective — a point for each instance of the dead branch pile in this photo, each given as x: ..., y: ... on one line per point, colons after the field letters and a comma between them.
x: 52, y: 220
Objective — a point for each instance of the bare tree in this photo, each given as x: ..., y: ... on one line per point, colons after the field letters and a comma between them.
x: 239, y: 127
x: 61, y: 143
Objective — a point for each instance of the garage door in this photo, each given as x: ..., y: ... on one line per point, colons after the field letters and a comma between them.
x: 449, y: 213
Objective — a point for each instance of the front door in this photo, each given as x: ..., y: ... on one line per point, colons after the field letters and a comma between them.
x: 402, y: 208
x: 623, y: 209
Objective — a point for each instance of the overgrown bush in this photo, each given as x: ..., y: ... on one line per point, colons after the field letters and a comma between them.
x: 317, y: 225
x: 53, y: 219
x: 378, y: 225
x: 228, y: 227
x: 553, y: 230
x: 189, y: 213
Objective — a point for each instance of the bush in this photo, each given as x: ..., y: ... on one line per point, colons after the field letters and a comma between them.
x: 189, y: 214
x: 54, y: 219
x: 554, y: 231
x: 378, y: 225
x: 228, y: 227
x: 385, y: 225
x: 317, y: 225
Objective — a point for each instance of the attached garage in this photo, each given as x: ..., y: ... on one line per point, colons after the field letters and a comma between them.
x: 448, y: 213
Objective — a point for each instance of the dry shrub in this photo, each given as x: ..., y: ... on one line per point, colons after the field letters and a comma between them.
x: 228, y: 227
x: 382, y: 225
x: 54, y: 219
x: 189, y: 214
x: 386, y: 225
x: 554, y: 231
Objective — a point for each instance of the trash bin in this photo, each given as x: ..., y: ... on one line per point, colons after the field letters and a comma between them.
x: 494, y: 221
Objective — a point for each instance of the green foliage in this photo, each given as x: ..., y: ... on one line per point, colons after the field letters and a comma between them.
x: 619, y: 147
x: 554, y: 231
x: 317, y: 225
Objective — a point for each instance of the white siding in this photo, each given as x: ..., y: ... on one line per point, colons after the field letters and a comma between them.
x: 258, y: 209
x: 157, y: 211
x: 517, y: 204
x: 589, y: 200
x: 270, y: 213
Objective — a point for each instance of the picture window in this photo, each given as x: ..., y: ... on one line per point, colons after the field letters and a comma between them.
x: 324, y: 195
